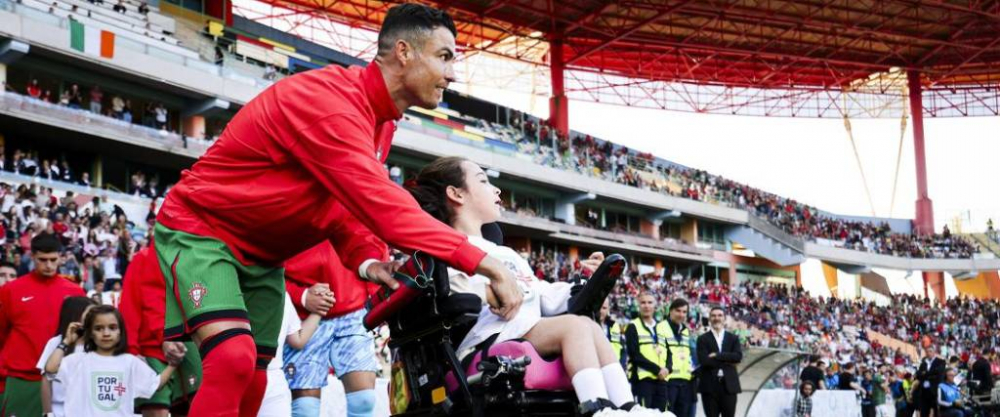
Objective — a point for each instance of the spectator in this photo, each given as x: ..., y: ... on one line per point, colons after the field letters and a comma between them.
x: 803, y: 402
x: 127, y: 111
x: 161, y: 116
x: 8, y: 272
x: 120, y: 7
x: 34, y: 90
x: 117, y: 107
x: 75, y: 97
x: 96, y: 99
x: 114, y: 297
x: 143, y: 8
x: 814, y: 372
x: 949, y: 397
x: 84, y: 179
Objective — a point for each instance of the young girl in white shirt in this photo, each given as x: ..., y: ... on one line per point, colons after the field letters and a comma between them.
x: 105, y: 380
x: 73, y: 310
x: 458, y: 192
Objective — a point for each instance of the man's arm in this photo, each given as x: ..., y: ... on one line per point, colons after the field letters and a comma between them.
x: 735, y: 354
x: 353, y: 242
x: 339, y: 152
x: 704, y: 352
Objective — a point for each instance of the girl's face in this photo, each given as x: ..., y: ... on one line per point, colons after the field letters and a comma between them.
x: 106, y: 332
x: 479, y: 198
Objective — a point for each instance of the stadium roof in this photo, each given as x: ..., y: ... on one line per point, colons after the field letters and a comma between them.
x: 793, y: 56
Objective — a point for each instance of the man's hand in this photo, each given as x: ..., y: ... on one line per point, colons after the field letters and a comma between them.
x: 593, y: 262
x: 381, y: 273
x: 664, y: 373
x: 711, y: 355
x: 319, y: 299
x: 174, y: 352
x: 504, y: 285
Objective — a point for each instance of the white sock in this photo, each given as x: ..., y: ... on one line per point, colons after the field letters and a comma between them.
x: 589, y: 385
x: 615, y: 381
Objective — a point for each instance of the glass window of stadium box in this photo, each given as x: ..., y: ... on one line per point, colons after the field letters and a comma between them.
x: 670, y: 230
x: 712, y: 234
x: 596, y: 216
x: 751, y: 273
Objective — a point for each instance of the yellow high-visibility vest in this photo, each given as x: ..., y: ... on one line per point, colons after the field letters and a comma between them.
x: 680, y: 353
x: 651, y: 346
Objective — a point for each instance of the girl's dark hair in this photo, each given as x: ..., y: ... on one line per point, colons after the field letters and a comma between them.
x: 71, y: 310
x: 430, y: 186
x: 89, y: 345
x: 804, y: 385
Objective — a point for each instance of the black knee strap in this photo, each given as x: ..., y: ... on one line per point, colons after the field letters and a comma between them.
x: 217, y: 340
x: 265, y: 355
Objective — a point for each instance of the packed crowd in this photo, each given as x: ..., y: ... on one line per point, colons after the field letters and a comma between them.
x: 97, y: 236
x: 604, y: 160
x: 780, y: 316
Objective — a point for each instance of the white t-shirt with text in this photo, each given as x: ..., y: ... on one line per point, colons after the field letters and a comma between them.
x: 99, y: 386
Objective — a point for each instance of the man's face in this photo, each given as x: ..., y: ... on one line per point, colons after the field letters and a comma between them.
x: 46, y: 263
x: 430, y: 68
x: 717, y: 318
x: 679, y: 314
x: 7, y: 274
x: 647, y: 304
x: 605, y: 309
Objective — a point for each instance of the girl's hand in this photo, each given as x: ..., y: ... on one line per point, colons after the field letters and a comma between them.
x: 71, y: 335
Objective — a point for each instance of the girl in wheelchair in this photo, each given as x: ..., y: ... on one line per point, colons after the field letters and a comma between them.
x: 458, y: 192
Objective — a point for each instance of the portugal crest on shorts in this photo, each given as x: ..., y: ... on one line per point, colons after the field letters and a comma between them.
x: 197, y: 293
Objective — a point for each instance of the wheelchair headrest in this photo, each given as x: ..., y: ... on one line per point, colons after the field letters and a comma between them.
x: 492, y: 233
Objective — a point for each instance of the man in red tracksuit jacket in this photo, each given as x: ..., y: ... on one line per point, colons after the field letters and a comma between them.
x: 341, y: 341
x: 298, y: 165
x: 143, y: 314
x: 29, y: 316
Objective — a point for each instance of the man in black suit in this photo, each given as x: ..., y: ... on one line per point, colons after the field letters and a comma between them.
x: 929, y: 376
x: 718, y: 353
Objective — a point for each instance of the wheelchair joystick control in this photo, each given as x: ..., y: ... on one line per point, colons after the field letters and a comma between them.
x: 497, y: 367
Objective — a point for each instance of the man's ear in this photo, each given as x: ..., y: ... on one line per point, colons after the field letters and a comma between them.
x: 403, y: 51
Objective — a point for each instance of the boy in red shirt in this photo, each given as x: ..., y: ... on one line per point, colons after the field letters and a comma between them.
x: 29, y: 315
x: 301, y: 164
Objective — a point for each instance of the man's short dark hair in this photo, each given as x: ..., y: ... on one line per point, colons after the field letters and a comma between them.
x: 8, y: 264
x: 717, y: 308
x: 45, y: 243
x: 678, y: 303
x: 815, y: 359
x: 411, y: 22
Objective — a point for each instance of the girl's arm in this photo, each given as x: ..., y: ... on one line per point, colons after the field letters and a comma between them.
x: 298, y: 340
x: 165, y: 375
x: 69, y: 341
x: 46, y: 395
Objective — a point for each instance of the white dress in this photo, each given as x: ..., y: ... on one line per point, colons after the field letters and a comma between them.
x: 541, y: 298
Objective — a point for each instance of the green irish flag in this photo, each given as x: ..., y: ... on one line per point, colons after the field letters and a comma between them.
x: 90, y: 40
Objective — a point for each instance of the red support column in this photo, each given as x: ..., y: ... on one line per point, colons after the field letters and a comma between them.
x: 924, y: 221
x: 558, y: 103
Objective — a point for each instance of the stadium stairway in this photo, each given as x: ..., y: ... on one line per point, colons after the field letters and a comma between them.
x: 986, y: 243
x: 768, y: 241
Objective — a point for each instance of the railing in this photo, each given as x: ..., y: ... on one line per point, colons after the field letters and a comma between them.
x: 136, y: 46
x: 544, y: 224
x: 11, y: 102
